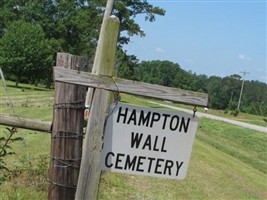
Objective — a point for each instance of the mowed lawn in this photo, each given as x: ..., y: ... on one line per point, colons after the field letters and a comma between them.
x: 215, y: 172
x: 227, y: 162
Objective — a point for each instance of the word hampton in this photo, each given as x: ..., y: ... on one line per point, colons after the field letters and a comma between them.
x: 150, y: 119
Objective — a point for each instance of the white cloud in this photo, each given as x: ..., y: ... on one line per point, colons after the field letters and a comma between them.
x: 159, y: 50
x: 243, y: 57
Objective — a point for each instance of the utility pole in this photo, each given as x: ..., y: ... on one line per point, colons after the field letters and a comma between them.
x: 243, y: 77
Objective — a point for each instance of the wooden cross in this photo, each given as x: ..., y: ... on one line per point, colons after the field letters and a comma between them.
x: 101, y: 79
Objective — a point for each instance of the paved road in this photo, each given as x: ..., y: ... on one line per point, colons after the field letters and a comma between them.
x: 242, y: 124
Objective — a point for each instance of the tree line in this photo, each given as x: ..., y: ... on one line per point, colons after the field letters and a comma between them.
x: 31, y: 32
x: 223, y: 92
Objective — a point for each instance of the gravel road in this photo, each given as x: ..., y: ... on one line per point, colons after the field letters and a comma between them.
x: 242, y: 124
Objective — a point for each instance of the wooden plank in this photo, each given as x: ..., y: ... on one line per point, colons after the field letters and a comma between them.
x: 67, y: 132
x: 26, y: 123
x: 131, y: 87
x: 104, y: 62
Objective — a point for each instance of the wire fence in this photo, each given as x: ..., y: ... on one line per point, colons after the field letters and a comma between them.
x: 32, y: 155
x: 29, y: 158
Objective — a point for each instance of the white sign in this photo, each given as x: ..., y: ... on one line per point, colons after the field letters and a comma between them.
x: 148, y: 142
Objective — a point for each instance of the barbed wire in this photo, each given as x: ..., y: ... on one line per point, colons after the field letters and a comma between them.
x: 11, y: 103
x: 28, y: 106
x: 28, y: 163
x: 77, y: 105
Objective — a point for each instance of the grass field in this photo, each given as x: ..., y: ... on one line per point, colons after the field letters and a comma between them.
x: 227, y: 162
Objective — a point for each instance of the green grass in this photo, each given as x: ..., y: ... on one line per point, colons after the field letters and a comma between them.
x: 227, y: 162
x: 244, y: 144
x: 212, y: 174
x: 30, y: 163
x: 27, y: 101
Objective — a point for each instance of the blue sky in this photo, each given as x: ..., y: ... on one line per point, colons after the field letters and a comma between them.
x: 207, y: 37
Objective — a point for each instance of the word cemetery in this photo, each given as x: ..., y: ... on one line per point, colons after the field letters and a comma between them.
x: 148, y: 142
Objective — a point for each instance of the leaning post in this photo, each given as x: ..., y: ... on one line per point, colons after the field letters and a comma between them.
x: 103, y: 65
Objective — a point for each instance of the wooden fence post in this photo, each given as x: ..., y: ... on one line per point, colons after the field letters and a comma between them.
x: 67, y: 132
x: 90, y: 172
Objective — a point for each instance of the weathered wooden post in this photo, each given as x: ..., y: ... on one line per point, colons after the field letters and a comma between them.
x: 23, y: 122
x: 103, y: 65
x: 67, y: 132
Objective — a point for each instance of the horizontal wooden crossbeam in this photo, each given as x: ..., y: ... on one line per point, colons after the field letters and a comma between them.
x: 26, y: 123
x: 130, y: 87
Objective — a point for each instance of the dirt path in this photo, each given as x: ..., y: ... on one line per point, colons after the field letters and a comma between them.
x: 242, y: 124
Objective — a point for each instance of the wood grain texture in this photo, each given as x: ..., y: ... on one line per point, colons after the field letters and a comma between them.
x: 103, y: 64
x: 26, y: 123
x: 131, y: 87
x: 67, y: 132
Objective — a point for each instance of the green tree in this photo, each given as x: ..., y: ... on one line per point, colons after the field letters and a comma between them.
x: 126, y: 65
x: 214, y: 92
x: 183, y: 79
x: 199, y: 83
x: 231, y: 84
x: 158, y: 72
x: 127, y: 10
x: 73, y: 26
x: 254, y: 98
x: 25, y: 54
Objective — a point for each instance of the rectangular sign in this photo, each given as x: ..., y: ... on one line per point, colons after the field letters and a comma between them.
x: 149, y: 142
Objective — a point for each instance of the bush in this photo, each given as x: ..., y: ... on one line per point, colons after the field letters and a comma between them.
x: 235, y: 112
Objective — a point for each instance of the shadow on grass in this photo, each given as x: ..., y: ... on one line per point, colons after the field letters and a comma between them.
x: 29, y: 88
